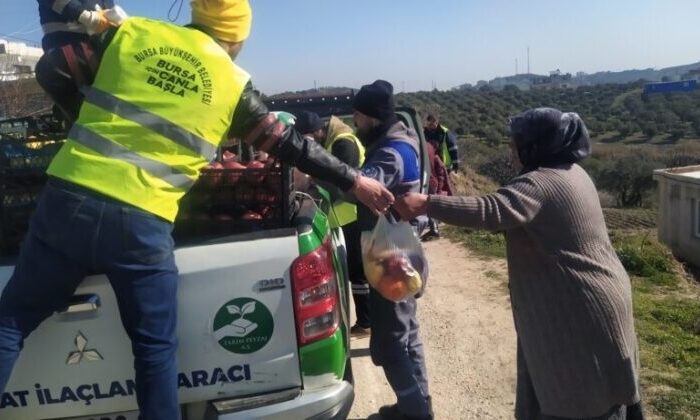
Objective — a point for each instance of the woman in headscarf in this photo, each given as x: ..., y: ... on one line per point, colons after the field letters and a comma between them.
x: 571, y: 297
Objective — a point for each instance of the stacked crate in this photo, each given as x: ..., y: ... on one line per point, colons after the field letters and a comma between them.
x: 223, y: 201
x: 230, y: 201
x: 27, y: 146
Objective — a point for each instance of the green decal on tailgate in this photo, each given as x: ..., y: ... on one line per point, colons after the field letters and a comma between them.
x: 312, y: 239
x: 324, y: 356
x: 243, y: 325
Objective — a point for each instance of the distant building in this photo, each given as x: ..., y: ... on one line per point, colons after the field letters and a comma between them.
x: 555, y: 80
x: 679, y: 211
x: 692, y: 74
x: 668, y: 87
x: 17, y: 60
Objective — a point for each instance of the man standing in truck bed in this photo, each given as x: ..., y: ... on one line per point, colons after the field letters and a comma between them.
x: 163, y: 99
x: 66, y: 25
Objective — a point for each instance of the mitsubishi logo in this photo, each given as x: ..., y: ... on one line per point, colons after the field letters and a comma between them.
x: 83, y: 353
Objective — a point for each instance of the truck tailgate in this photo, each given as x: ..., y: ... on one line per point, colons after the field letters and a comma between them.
x: 236, y: 335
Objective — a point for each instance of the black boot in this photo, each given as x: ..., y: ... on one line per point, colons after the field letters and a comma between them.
x: 358, y: 331
x: 432, y: 232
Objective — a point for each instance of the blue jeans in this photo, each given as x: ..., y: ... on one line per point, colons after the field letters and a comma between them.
x: 74, y: 233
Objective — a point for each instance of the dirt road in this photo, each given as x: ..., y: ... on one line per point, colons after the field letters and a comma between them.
x: 467, y: 331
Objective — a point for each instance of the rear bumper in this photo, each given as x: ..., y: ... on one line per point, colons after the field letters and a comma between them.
x: 332, y: 402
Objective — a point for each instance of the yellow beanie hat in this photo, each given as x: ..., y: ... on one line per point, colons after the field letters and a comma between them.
x: 228, y: 20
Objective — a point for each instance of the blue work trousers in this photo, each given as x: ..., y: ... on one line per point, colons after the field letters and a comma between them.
x: 73, y: 233
x: 395, y: 345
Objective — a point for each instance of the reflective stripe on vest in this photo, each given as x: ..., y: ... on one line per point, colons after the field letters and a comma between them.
x: 343, y: 212
x: 162, y: 101
x: 160, y: 125
x: 105, y: 147
x: 444, y: 150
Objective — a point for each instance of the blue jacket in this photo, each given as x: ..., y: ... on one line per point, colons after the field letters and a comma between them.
x: 59, y: 20
x: 393, y: 161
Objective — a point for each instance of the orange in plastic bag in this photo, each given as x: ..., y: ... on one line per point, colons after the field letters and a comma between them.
x: 393, y: 260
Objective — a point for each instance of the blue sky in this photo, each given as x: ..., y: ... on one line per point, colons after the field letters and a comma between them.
x: 420, y: 44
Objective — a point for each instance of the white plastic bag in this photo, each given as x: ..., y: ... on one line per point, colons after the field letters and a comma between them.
x: 393, y: 260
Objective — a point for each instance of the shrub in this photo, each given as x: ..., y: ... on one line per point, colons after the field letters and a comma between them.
x: 644, y: 256
x: 629, y: 177
x: 499, y: 168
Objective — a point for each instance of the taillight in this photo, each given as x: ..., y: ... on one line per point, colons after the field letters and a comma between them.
x: 315, y: 294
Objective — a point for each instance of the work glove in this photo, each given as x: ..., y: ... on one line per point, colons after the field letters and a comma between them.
x: 95, y: 21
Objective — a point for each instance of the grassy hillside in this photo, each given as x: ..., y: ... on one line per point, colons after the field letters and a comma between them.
x: 613, y: 113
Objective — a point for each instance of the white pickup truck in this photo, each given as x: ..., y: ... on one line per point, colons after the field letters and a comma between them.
x: 262, y: 327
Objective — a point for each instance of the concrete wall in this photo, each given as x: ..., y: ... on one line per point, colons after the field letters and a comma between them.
x: 679, y: 211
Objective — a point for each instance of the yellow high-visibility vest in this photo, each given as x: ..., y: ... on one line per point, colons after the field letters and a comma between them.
x: 162, y: 101
x: 343, y: 212
x: 444, y: 151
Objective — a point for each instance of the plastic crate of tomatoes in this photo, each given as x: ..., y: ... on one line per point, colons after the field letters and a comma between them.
x: 236, y: 197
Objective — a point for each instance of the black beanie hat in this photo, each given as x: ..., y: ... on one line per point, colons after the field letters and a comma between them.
x: 307, y: 122
x: 376, y: 100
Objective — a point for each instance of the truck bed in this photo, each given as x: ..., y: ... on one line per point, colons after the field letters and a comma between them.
x: 80, y: 363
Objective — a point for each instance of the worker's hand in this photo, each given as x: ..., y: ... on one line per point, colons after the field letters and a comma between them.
x: 411, y: 205
x: 95, y: 21
x: 372, y: 194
